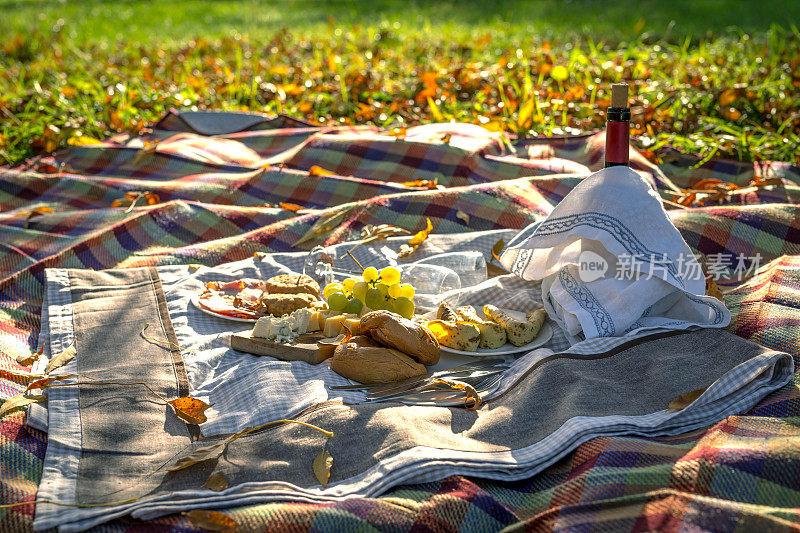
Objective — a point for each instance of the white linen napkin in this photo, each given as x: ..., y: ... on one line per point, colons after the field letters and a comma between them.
x: 612, y: 263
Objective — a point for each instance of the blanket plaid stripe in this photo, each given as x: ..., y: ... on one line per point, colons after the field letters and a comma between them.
x: 219, y: 195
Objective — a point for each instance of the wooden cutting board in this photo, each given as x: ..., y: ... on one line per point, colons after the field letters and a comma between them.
x: 303, y: 348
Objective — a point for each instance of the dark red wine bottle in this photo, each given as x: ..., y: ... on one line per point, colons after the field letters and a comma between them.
x: 618, y: 127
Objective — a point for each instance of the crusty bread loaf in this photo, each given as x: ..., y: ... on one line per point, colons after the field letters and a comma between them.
x: 283, y: 304
x: 292, y: 284
x: 412, y: 338
x: 373, y: 364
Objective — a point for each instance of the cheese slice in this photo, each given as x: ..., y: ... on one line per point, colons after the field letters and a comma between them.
x: 333, y: 325
x: 354, y: 325
x: 262, y: 327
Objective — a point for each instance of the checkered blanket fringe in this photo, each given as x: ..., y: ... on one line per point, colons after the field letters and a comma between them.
x: 217, y: 195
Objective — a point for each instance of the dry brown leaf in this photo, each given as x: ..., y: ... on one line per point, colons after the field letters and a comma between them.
x: 461, y: 215
x: 61, y: 359
x: 325, y: 225
x: 44, y: 382
x: 190, y: 410
x: 194, y: 267
x: 416, y: 240
x: 200, y: 455
x: 497, y: 249
x: 322, y: 467
x: 685, y: 399
x: 290, y: 207
x: 217, y: 482
x: 19, y: 401
x: 28, y: 360
x: 212, y: 521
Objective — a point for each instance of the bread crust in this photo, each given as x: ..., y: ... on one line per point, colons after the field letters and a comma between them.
x: 411, y: 338
x: 283, y: 304
x: 373, y: 364
x: 292, y: 284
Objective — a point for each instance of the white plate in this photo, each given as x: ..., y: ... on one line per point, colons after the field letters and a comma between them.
x: 544, y: 335
x: 196, y: 301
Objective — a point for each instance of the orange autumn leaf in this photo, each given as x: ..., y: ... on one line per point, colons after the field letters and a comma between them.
x: 39, y: 211
x: 290, y: 207
x: 416, y: 240
x: 28, y: 360
x: 727, y: 96
x: 427, y: 184
x: 212, y: 521
x: 319, y: 171
x: 190, y: 409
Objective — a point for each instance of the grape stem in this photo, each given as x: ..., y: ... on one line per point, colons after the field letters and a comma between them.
x: 356, y: 260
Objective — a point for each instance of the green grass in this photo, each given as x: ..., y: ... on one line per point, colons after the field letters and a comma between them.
x: 712, y: 78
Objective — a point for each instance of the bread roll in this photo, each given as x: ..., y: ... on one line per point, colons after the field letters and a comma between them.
x: 390, y: 329
x: 292, y: 284
x: 373, y: 364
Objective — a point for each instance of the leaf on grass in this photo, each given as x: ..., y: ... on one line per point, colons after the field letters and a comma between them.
x: 212, y: 521
x: 82, y: 140
x: 190, y: 409
x: 319, y: 171
x: 525, y: 113
x: 416, y: 240
x: 399, y: 133
x: 727, y: 96
x: 28, y: 360
x: 61, y: 359
x: 461, y: 215
x: 685, y: 399
x: 217, y: 482
x: 322, y: 467
x: 435, y: 113
x: 16, y: 402
x: 200, y: 455
x: 497, y: 249
x: 290, y: 207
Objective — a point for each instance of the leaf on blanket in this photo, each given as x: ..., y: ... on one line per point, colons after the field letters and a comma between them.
x: 217, y: 482
x: 712, y: 289
x: 16, y: 402
x: 194, y: 267
x: 461, y: 215
x: 61, y: 359
x: 290, y: 207
x: 497, y: 249
x: 19, y: 375
x: 28, y: 360
x: 39, y: 211
x: 370, y: 233
x: 190, y: 410
x: 212, y: 521
x: 319, y: 171
x: 685, y: 399
x: 322, y: 467
x: 427, y: 184
x: 325, y: 225
x: 200, y: 455
x: 44, y: 382
x: 131, y: 199
x: 145, y: 152
x: 409, y: 248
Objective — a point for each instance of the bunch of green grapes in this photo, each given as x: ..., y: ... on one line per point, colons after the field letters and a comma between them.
x: 376, y: 290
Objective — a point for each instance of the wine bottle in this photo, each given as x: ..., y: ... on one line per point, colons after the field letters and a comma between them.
x: 618, y: 127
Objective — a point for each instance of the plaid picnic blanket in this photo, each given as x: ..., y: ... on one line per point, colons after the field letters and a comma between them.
x: 209, y: 188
